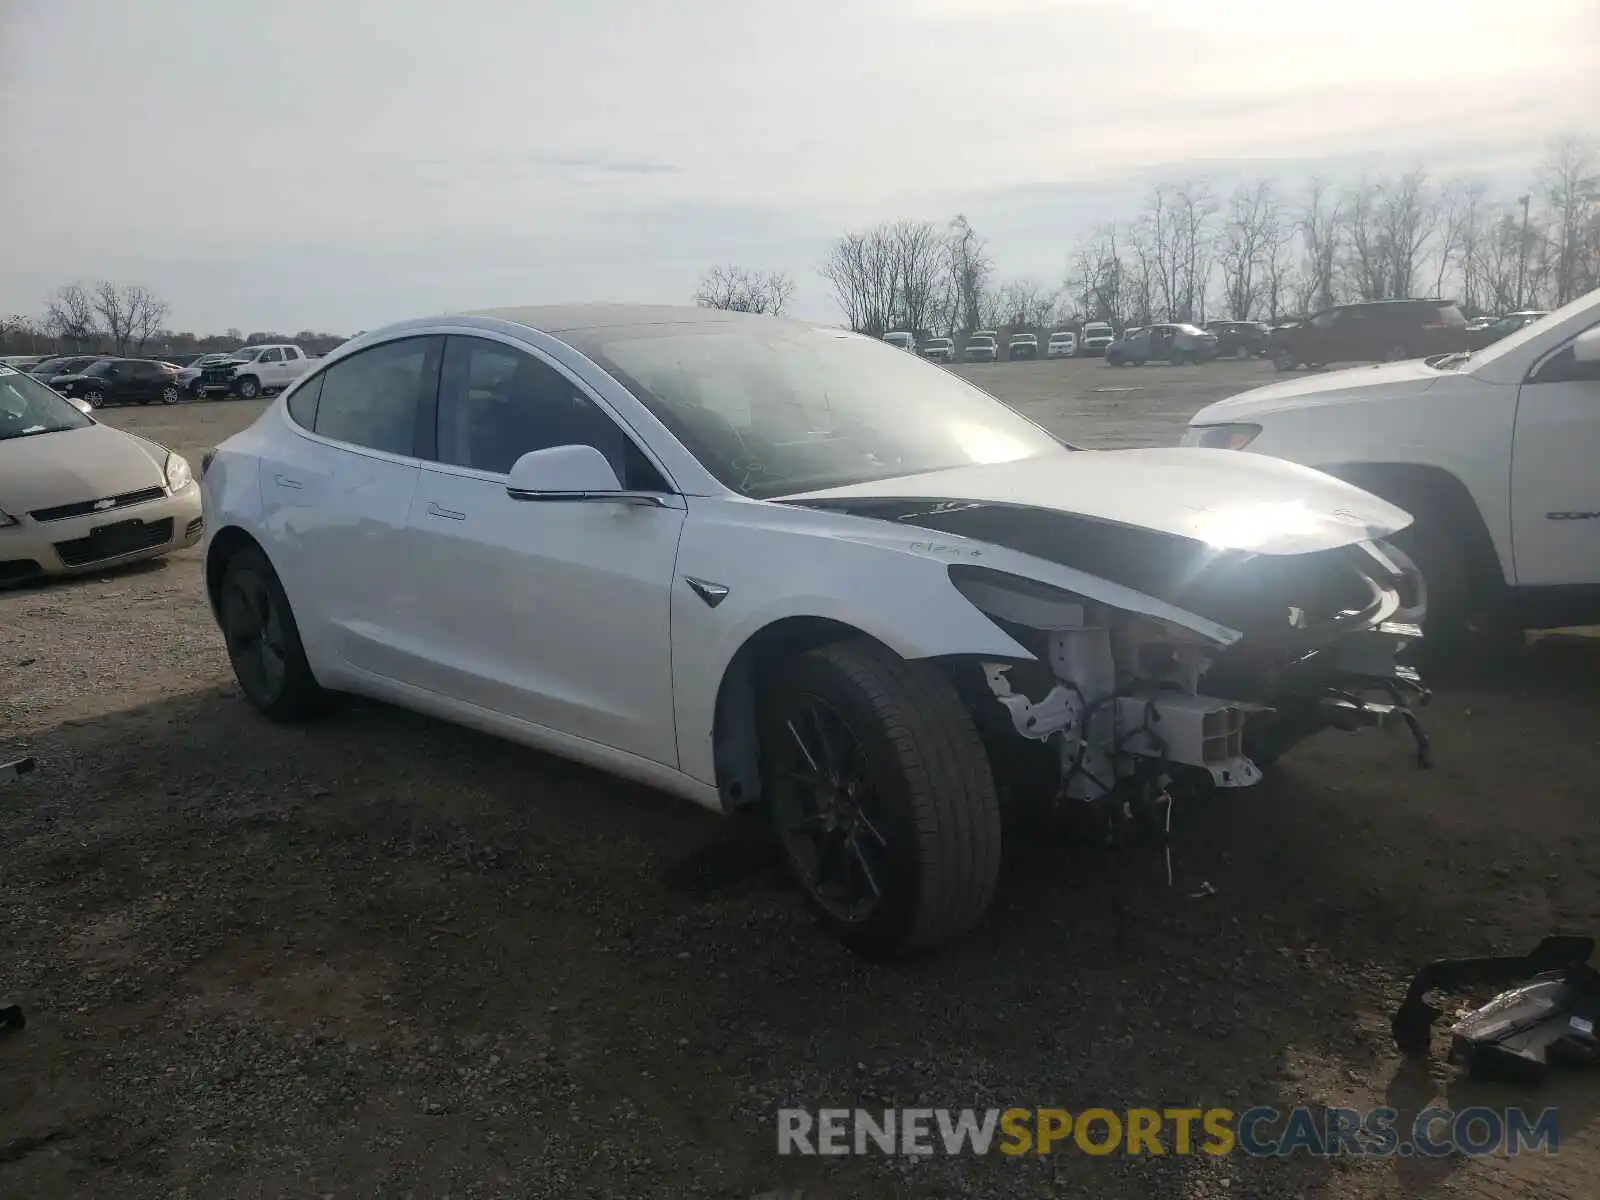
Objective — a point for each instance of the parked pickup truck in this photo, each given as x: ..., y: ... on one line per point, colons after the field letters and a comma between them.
x: 252, y: 370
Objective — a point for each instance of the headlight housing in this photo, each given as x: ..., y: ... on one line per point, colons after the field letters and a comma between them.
x: 1220, y: 437
x: 178, y: 474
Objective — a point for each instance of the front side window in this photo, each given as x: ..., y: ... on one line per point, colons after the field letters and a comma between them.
x: 497, y: 403
x: 371, y: 399
x: 272, y: 356
x: 1325, y: 320
x: 784, y: 408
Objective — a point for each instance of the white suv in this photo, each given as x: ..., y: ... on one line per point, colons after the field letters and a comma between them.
x: 1062, y: 344
x: 1493, y: 453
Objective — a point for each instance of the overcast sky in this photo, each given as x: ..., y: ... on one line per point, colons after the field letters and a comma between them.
x: 280, y: 164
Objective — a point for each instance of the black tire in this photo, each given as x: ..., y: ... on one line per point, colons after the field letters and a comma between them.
x: 95, y: 398
x: 171, y: 394
x: 1396, y: 354
x: 911, y: 815
x: 272, y: 670
x: 1283, y: 360
x: 1242, y: 353
x: 246, y: 388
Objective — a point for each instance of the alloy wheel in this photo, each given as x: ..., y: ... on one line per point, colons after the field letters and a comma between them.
x: 95, y: 398
x: 170, y: 394
x: 829, y: 814
x: 255, y: 637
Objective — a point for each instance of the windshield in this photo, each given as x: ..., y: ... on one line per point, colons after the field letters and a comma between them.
x: 27, y: 407
x: 939, y: 342
x: 1096, y: 330
x: 245, y: 354
x: 773, y: 409
x: 1589, y: 302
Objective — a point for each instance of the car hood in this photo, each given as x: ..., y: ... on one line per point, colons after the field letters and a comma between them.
x: 51, y: 469
x: 1382, y: 382
x: 1213, y: 498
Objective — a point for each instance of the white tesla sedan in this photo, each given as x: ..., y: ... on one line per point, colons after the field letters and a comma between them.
x: 764, y: 564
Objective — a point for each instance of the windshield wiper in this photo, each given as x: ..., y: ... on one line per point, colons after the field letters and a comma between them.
x: 1449, y: 362
x: 33, y: 432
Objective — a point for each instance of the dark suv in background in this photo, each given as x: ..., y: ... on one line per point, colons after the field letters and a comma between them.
x: 1372, y: 331
x: 1240, y: 339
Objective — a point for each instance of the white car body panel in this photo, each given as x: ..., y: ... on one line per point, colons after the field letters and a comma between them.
x: 1522, y: 450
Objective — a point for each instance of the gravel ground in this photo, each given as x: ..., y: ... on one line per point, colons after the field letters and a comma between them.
x: 381, y: 956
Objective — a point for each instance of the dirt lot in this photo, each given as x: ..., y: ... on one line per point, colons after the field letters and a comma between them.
x: 382, y: 956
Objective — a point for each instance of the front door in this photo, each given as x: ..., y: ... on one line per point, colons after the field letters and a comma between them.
x: 554, y: 612
x: 1555, y: 483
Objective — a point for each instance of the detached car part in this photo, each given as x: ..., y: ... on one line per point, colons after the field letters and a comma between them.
x: 1517, y: 1036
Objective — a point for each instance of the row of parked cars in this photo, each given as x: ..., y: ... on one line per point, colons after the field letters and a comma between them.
x: 101, y: 379
x: 1369, y: 331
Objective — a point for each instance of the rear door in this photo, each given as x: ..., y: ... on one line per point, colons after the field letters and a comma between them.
x: 270, y: 363
x: 555, y: 611
x: 1555, y: 485
x: 336, y: 499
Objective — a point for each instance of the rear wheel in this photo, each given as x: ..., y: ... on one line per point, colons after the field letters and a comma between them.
x: 1283, y: 360
x: 882, y: 797
x: 1242, y: 353
x: 263, y: 640
x: 1396, y: 354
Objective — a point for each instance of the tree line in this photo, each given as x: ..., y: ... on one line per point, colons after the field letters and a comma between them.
x: 126, y: 320
x: 1266, y: 250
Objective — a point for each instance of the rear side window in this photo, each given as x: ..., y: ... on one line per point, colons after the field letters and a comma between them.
x: 1451, y: 316
x: 303, y: 403
x: 372, y: 399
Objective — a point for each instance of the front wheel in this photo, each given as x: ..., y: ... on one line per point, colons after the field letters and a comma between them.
x: 247, y: 389
x: 95, y: 398
x: 882, y: 797
x: 1395, y: 354
x: 263, y: 640
x: 1283, y: 360
x: 171, y: 394
x: 1242, y: 353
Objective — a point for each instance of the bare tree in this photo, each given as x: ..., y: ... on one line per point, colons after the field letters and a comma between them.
x: 1569, y: 183
x: 1407, y: 215
x: 738, y: 289
x: 861, y: 269
x: 970, y: 272
x: 1320, y: 235
x: 1177, y: 229
x: 131, y: 314
x: 920, y: 258
x: 1251, y: 226
x: 1025, y: 304
x: 69, y: 315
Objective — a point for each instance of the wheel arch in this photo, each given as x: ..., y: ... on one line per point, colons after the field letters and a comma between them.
x: 225, y: 543
x: 735, y: 721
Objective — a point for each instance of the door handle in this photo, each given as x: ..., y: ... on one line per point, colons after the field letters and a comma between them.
x: 448, y: 514
x: 284, y: 481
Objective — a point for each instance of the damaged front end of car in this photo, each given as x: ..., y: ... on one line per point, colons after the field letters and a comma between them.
x: 1122, y: 708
